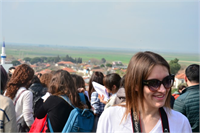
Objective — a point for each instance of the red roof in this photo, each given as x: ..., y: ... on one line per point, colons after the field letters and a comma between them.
x: 33, y: 66
x: 69, y: 70
x: 48, y: 65
x: 45, y: 71
x: 180, y: 76
x: 65, y: 62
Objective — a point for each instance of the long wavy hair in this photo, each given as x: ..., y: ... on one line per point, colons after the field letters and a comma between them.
x: 97, y: 77
x: 21, y: 78
x: 4, y: 78
x: 63, y: 84
x: 139, y: 68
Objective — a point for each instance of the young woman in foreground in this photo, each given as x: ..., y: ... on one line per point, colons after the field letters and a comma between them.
x: 148, y: 85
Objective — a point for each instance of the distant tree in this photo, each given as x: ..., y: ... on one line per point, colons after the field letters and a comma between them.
x: 15, y: 63
x: 50, y: 59
x: 43, y: 59
x: 79, y: 60
x: 56, y: 59
x: 27, y: 59
x: 103, y: 60
x: 174, y: 66
x: 109, y: 65
x: 102, y: 65
x: 35, y: 60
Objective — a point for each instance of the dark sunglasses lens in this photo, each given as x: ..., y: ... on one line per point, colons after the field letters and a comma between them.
x: 154, y: 84
x: 168, y: 82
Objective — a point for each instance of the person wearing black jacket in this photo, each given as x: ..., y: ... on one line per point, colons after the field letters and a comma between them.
x: 188, y: 102
x: 57, y: 108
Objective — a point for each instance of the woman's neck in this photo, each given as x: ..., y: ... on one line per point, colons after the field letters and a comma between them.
x: 147, y: 112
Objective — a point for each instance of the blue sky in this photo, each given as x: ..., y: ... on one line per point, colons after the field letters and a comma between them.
x: 138, y: 25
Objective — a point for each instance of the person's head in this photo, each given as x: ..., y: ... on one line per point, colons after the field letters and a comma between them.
x: 11, y: 71
x: 112, y: 82
x: 192, y: 75
x: 79, y: 82
x: 45, y: 79
x: 35, y: 79
x: 148, y: 82
x: 63, y: 84
x: 21, y: 77
x: 4, y: 79
x: 97, y: 77
x: 39, y: 75
x: 181, y: 87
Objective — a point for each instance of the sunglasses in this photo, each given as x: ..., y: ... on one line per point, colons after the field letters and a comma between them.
x: 154, y: 84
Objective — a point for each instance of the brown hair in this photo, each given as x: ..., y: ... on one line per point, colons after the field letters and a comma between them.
x: 63, y: 84
x: 78, y: 81
x: 97, y: 77
x: 45, y: 79
x: 139, y: 68
x: 21, y: 77
x: 110, y: 80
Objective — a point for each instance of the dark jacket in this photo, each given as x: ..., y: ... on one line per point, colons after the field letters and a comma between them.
x: 188, y: 104
x: 38, y: 91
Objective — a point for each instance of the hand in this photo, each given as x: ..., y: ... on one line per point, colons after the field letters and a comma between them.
x: 81, y: 90
x: 101, y: 99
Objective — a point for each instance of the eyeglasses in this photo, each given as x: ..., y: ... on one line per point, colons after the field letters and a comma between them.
x: 154, y: 84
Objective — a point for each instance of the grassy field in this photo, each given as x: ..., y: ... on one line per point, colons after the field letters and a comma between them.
x: 86, y: 54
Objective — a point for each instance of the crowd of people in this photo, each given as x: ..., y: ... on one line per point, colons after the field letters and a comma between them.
x: 140, y: 101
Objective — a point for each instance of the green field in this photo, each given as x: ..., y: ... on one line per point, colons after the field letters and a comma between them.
x: 86, y: 54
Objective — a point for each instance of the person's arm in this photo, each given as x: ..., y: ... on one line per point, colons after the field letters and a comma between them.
x: 28, y: 108
x: 41, y: 110
x: 95, y: 102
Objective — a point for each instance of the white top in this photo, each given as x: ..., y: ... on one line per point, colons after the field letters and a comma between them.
x: 24, y: 106
x: 46, y: 96
x: 110, y: 122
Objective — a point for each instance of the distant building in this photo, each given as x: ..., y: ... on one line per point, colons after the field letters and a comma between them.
x: 3, y: 58
x: 3, y: 54
x: 71, y: 71
x: 64, y: 63
x: 179, y: 78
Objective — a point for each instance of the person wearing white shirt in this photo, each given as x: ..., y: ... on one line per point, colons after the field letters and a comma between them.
x: 22, y: 98
x: 148, y: 83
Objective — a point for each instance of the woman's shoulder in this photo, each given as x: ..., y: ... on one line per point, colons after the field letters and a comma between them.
x: 177, y: 121
x: 114, y: 110
x: 176, y: 116
x: 5, y: 100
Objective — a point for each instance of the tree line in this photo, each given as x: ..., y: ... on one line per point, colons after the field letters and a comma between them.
x: 48, y: 59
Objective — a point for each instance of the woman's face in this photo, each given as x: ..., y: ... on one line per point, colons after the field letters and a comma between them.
x: 153, y: 100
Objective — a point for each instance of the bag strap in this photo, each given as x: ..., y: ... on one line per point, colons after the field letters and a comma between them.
x: 137, y: 127
x: 164, y: 119
x: 49, y: 123
x: 66, y: 99
x: 5, y: 114
x: 18, y: 97
x: 44, y: 124
x: 135, y: 124
x: 82, y: 97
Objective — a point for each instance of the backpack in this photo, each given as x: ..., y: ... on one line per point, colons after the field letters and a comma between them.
x: 79, y: 120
